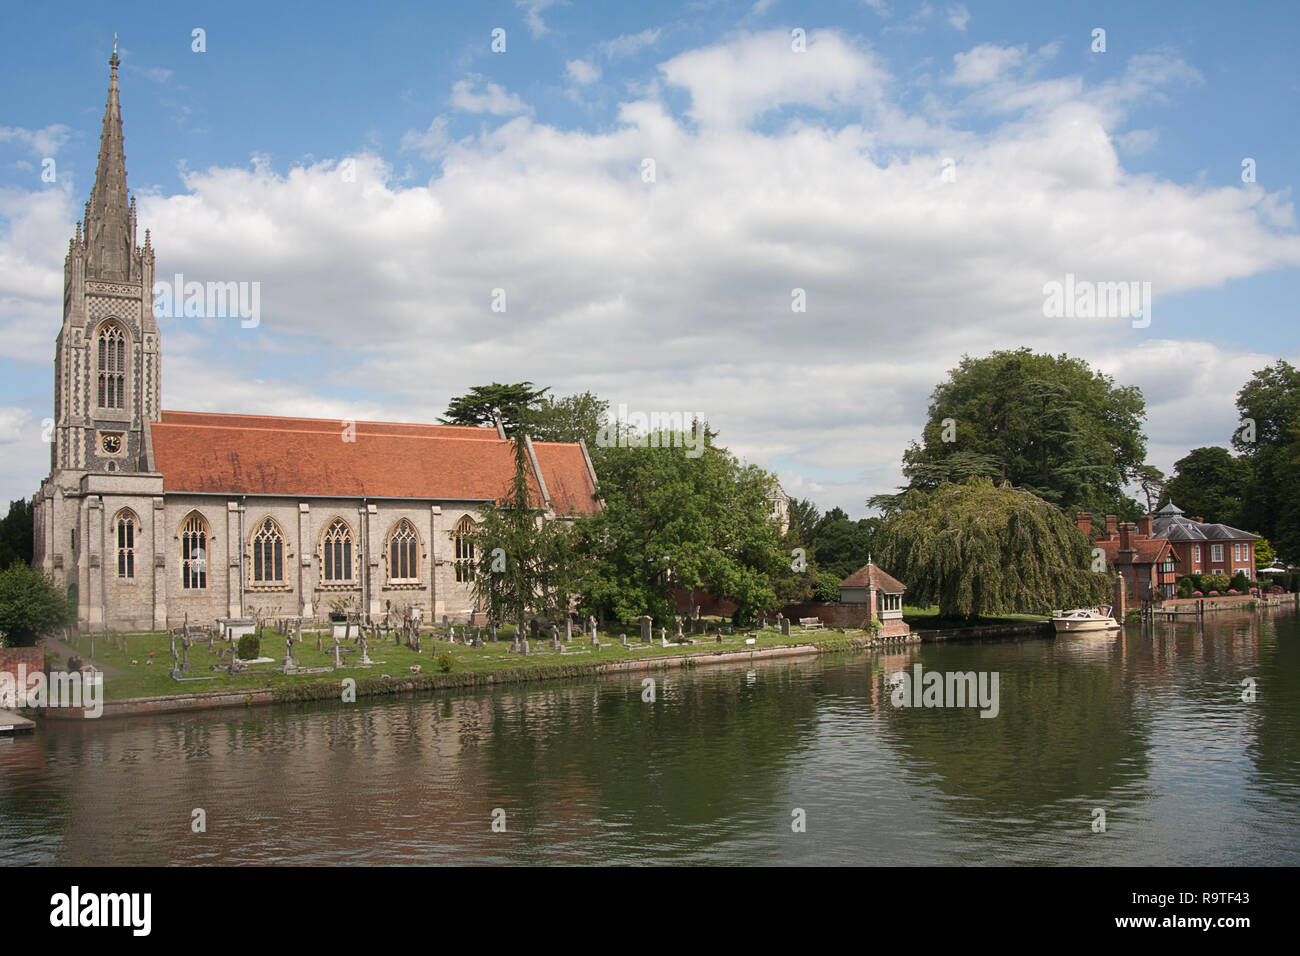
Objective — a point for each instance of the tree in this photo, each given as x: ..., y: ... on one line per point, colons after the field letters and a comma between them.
x: 568, y: 419
x: 1151, y: 481
x: 31, y: 606
x: 1049, y: 424
x: 978, y: 549
x: 1268, y: 438
x: 673, y: 521
x: 804, y: 516
x: 842, y: 545
x: 16, y: 533
x: 1264, y: 554
x: 1208, y: 482
x: 523, y: 561
x: 518, y: 404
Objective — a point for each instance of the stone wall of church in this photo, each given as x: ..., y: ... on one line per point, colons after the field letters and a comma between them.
x: 299, y: 586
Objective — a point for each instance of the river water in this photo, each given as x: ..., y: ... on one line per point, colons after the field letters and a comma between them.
x: 780, y: 763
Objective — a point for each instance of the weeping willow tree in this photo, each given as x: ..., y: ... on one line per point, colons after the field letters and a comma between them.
x: 978, y: 550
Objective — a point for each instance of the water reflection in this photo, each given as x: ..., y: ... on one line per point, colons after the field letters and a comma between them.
x: 1148, y: 724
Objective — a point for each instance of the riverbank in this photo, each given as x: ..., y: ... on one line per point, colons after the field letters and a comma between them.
x: 138, y: 679
x: 369, y: 685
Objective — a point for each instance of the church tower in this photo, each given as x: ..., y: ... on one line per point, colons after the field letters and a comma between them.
x: 98, y: 519
x: 107, y: 374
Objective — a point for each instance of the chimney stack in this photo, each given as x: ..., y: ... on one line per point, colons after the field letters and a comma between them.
x: 1083, y: 521
x: 1111, y: 525
x: 1125, y: 536
x: 1144, y: 526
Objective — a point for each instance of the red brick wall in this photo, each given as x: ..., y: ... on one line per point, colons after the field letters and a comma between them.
x: 12, y: 657
x: 832, y: 615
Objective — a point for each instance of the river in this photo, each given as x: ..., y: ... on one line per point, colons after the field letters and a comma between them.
x: 797, y: 763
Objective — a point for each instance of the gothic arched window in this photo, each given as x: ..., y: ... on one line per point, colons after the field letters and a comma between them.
x: 403, y: 554
x: 268, y: 553
x: 126, y: 523
x: 464, y: 550
x: 337, y: 559
x: 112, y: 366
x: 194, y: 552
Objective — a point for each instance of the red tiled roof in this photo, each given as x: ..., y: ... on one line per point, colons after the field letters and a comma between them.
x: 332, y: 425
x: 1146, y: 550
x: 255, y: 454
x: 878, y: 579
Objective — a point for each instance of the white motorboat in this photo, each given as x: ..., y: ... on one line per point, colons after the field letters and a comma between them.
x: 1084, y: 619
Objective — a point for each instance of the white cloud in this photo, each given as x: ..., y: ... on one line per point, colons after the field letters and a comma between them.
x: 676, y: 295
x: 958, y: 16
x: 733, y: 83
x: 43, y: 142
x: 985, y: 63
x: 533, y: 10
x: 582, y: 72
x: 629, y: 44
x: 474, y: 95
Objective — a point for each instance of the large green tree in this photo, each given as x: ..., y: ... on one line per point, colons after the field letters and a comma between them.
x: 1049, y: 424
x: 1208, y: 482
x: 1268, y: 438
x: 518, y: 403
x: 31, y: 606
x: 568, y: 418
x: 16, y: 533
x: 977, y: 549
x: 672, y: 519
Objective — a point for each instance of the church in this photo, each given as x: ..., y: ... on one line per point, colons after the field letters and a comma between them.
x: 157, y: 516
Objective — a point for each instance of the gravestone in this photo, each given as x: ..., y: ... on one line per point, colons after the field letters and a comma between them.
x: 289, y: 662
x: 646, y: 634
x: 568, y: 629
x: 622, y: 639
x: 524, y: 651
x: 785, y: 625
x: 318, y: 642
x: 365, y: 657
x: 337, y: 662
x: 556, y: 645
x: 594, y: 640
x: 680, y: 636
x: 492, y: 631
x: 663, y: 637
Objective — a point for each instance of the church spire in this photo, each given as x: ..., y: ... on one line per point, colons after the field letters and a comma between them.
x: 108, y: 218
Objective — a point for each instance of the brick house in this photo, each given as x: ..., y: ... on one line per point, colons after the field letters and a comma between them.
x: 1147, y: 560
x: 1206, y: 548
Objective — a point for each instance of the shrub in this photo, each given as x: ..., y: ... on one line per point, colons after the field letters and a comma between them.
x: 31, y: 606
x: 1214, y: 582
x: 445, y: 662
x: 1239, y: 582
x: 827, y: 588
x: 249, y: 647
x: 1186, y: 587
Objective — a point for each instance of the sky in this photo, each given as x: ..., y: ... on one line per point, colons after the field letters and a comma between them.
x: 653, y: 191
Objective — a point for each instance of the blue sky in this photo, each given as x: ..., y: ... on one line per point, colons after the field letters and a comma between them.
x: 819, y: 170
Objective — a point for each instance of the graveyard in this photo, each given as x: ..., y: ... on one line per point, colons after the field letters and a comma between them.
x: 299, y: 661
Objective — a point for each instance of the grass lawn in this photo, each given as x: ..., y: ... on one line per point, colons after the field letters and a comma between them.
x: 928, y: 619
x: 141, y: 679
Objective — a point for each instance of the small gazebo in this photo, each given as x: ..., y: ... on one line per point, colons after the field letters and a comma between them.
x: 880, y: 593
